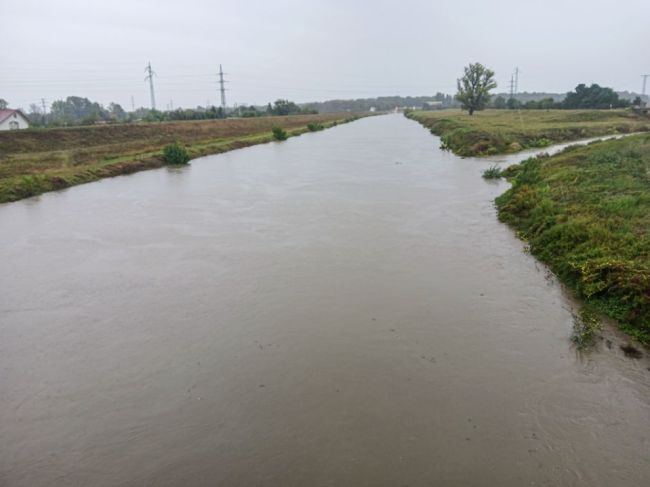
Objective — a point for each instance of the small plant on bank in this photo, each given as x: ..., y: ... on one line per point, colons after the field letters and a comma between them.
x: 585, y: 328
x: 315, y: 126
x: 175, y: 154
x: 492, y: 172
x: 279, y: 133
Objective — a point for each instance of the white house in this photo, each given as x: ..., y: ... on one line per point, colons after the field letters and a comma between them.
x: 13, y: 120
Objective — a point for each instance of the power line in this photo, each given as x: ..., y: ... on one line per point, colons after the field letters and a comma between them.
x: 150, y: 75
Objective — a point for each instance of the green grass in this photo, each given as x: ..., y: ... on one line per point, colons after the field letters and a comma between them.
x: 36, y: 161
x: 506, y: 131
x: 585, y: 212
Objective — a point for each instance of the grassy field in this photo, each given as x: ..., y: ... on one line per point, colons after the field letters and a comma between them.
x: 505, y: 131
x: 585, y: 212
x: 36, y: 161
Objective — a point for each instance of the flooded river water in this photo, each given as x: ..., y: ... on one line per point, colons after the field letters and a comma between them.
x: 341, y: 309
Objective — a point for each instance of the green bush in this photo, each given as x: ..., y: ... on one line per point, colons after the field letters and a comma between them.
x: 315, y: 126
x: 279, y: 133
x: 175, y: 154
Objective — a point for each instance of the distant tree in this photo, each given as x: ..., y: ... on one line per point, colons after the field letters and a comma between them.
x: 593, y: 96
x: 547, y: 103
x: 76, y: 110
x: 153, y: 116
x: 34, y: 110
x: 637, y: 101
x: 499, y: 103
x: 116, y: 112
x: 474, y: 87
x: 3, y: 103
x: 544, y: 103
x: 36, y: 117
x: 250, y: 111
x: 285, y: 107
x: 512, y: 103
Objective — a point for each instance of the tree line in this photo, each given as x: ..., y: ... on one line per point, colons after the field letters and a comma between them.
x: 76, y: 110
x: 381, y: 104
x: 477, y: 81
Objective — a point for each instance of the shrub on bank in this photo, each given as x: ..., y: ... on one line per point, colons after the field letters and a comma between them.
x: 175, y: 154
x: 315, y: 126
x: 492, y: 172
x: 279, y: 133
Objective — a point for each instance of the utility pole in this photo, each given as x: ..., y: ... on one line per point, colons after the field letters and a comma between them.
x: 132, y: 104
x: 149, y: 77
x: 645, y: 79
x: 222, y: 89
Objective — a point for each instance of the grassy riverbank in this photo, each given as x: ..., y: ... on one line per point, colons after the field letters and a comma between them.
x: 36, y: 161
x: 506, y: 131
x: 585, y: 212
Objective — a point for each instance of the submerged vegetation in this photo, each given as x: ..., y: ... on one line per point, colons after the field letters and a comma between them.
x: 585, y: 212
x: 35, y: 161
x: 586, y: 324
x: 506, y: 131
x: 492, y: 172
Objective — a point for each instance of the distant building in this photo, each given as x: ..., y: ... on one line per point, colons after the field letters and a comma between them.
x: 432, y: 105
x: 13, y: 120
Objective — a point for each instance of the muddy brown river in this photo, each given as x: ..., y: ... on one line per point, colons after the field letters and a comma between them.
x: 341, y: 309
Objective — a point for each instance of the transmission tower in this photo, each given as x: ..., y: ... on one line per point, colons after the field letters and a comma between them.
x: 149, y: 77
x: 44, y: 111
x: 516, y: 80
x: 645, y: 79
x: 222, y: 88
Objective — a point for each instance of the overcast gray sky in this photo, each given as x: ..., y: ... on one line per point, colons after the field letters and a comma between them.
x: 312, y: 50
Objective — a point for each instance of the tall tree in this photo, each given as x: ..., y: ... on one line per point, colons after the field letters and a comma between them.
x: 474, y: 87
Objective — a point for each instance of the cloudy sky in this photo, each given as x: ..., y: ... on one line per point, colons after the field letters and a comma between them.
x: 308, y: 50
